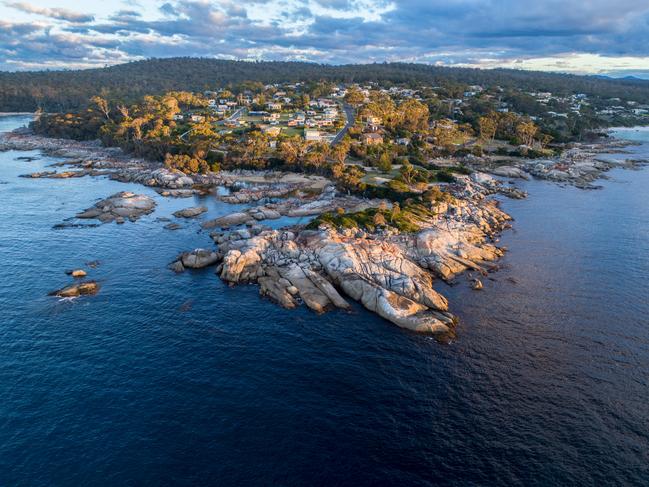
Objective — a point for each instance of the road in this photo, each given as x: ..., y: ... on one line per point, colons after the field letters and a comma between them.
x: 349, y: 115
x: 236, y: 115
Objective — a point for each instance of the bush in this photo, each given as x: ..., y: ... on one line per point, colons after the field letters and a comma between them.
x: 186, y: 164
x: 369, y: 220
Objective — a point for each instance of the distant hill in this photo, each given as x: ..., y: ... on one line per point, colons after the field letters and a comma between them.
x: 66, y: 90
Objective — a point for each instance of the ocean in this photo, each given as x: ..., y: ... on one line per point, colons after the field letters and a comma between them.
x: 165, y: 379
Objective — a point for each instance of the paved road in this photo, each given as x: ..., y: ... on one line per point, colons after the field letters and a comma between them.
x: 349, y: 115
x: 236, y: 115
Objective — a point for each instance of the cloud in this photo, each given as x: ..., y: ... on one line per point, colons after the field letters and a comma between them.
x: 556, y: 33
x: 53, y: 13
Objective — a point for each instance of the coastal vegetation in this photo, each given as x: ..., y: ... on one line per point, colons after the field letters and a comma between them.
x: 378, y: 137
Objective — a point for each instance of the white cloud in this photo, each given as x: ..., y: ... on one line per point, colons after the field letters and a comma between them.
x: 567, y: 35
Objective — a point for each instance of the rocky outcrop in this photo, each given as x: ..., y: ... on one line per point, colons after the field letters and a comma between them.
x: 489, y: 185
x: 509, y: 172
x: 190, y: 212
x: 260, y: 191
x: 118, y: 207
x: 75, y: 290
x: 227, y: 221
x: 390, y: 274
x: 264, y: 213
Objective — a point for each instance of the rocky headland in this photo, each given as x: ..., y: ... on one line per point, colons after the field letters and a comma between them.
x: 389, y: 272
x: 579, y: 165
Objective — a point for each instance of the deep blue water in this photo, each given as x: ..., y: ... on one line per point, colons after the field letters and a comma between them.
x: 165, y: 379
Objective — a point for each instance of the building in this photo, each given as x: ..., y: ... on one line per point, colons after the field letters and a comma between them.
x: 274, y: 106
x: 372, y: 138
x: 371, y: 120
x: 312, y: 135
x: 273, y: 117
x: 271, y: 130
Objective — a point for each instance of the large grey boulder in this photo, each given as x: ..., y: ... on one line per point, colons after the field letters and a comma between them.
x: 199, y: 258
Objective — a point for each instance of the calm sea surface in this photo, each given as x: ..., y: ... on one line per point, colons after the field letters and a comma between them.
x: 166, y: 379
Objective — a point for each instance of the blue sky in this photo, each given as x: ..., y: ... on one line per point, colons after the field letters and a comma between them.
x: 577, y: 36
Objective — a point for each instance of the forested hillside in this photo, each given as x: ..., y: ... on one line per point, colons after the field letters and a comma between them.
x: 67, y: 90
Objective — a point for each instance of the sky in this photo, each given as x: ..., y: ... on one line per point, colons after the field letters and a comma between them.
x: 608, y: 37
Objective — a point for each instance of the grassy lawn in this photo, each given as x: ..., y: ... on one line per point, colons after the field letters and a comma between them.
x: 291, y: 131
x: 377, y: 177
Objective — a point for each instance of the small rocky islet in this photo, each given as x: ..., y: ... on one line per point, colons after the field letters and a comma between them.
x: 323, y: 265
x: 119, y: 207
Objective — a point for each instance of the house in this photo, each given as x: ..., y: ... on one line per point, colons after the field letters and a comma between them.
x: 372, y: 138
x: 197, y: 118
x: 371, y: 120
x: 273, y: 117
x: 312, y: 135
x: 330, y: 113
x: 177, y: 117
x: 403, y: 141
x: 271, y: 130
x: 274, y: 106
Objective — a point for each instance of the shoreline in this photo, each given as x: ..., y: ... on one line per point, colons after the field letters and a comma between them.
x: 391, y: 273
